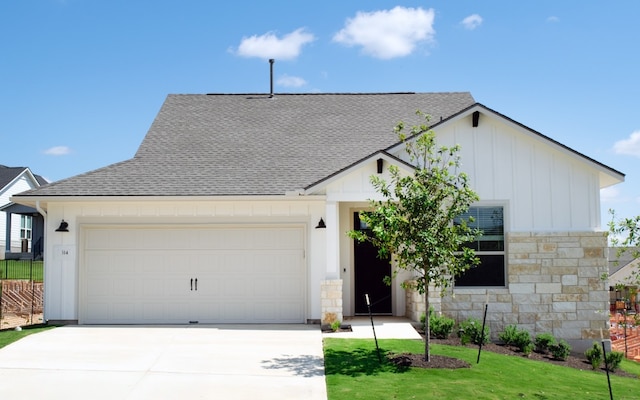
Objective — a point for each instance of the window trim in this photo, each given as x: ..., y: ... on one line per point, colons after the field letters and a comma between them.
x: 24, y: 229
x: 504, y: 253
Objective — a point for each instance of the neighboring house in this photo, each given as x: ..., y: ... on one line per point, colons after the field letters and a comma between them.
x: 21, y: 228
x: 235, y: 209
x: 624, y: 270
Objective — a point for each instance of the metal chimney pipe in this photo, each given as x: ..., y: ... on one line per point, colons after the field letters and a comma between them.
x: 271, y: 61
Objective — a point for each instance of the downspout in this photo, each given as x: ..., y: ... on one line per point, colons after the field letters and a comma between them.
x: 43, y: 213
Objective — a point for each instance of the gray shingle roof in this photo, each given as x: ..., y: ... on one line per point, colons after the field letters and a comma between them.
x: 242, y: 144
x: 8, y: 174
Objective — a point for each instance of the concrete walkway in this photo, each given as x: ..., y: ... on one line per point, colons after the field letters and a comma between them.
x: 166, y: 362
x: 385, y: 328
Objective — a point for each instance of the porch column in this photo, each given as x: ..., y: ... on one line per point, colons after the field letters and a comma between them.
x: 7, y: 235
x: 333, y: 241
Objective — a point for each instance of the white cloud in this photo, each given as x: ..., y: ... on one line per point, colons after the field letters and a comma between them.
x: 291, y: 81
x: 609, y: 194
x: 57, y: 151
x: 553, y: 18
x: 472, y: 22
x: 270, y: 46
x: 630, y: 146
x: 388, y: 33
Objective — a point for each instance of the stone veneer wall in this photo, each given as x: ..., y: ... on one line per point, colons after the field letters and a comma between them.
x: 414, y: 303
x: 331, y: 301
x: 554, y: 285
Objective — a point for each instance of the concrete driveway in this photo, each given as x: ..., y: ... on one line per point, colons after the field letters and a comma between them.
x: 166, y: 362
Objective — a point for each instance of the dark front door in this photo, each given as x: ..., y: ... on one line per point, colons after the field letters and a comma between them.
x: 369, y: 273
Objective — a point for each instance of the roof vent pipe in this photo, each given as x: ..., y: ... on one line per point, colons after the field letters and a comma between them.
x: 271, y: 61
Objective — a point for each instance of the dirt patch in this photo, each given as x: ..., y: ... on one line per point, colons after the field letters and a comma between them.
x: 343, y: 328
x: 418, y: 361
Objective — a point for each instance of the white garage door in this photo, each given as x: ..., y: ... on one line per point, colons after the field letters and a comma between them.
x: 189, y: 274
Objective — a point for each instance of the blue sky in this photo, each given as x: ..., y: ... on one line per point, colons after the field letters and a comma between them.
x: 82, y: 80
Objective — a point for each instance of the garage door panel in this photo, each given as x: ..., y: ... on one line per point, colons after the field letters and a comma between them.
x: 143, y: 275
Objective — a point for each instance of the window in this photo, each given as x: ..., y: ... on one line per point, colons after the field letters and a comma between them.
x: 25, y: 227
x: 489, y: 248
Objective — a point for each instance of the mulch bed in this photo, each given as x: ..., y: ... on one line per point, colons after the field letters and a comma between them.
x: 575, y: 360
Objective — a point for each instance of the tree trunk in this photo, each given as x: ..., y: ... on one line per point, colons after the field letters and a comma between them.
x: 427, y: 328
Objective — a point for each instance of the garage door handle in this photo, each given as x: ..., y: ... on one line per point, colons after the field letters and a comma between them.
x: 191, y: 283
x: 196, y: 284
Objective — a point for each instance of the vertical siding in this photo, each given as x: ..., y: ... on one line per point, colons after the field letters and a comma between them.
x: 547, y: 189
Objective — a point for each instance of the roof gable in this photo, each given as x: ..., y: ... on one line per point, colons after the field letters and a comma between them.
x: 9, y: 175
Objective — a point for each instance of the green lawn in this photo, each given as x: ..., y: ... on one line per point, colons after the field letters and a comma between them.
x: 10, y: 336
x: 21, y: 269
x: 353, y: 372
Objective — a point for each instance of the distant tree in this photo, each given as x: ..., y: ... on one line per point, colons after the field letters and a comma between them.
x: 418, y: 223
x: 625, y: 235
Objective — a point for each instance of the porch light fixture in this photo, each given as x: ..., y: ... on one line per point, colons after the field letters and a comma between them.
x: 321, y: 224
x: 64, y: 227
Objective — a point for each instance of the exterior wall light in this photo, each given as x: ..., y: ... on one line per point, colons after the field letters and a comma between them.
x: 64, y: 227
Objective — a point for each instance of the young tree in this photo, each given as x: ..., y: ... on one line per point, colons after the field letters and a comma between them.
x: 625, y: 235
x: 418, y: 223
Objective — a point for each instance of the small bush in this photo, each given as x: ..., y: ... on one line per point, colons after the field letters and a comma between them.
x: 523, y: 341
x: 335, y: 325
x: 509, y: 335
x: 441, y: 326
x: 594, y: 355
x: 614, y: 359
x: 544, y: 341
x: 527, y: 349
x: 470, y: 332
x: 560, y: 351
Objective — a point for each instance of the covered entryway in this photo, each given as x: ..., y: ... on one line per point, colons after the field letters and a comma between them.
x: 192, y: 274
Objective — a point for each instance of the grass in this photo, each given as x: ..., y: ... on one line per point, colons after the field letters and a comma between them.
x: 353, y: 372
x: 9, y: 336
x: 21, y: 269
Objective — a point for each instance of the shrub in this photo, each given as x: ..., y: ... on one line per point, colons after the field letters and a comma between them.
x: 509, y: 335
x: 470, y: 332
x: 594, y: 355
x: 561, y: 350
x: 523, y: 341
x: 614, y: 359
x: 335, y: 325
x: 527, y: 349
x: 544, y: 341
x: 441, y: 326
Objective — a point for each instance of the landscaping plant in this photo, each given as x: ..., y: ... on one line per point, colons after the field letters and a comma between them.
x: 543, y: 342
x: 441, y: 326
x: 560, y: 351
x: 470, y: 332
x: 414, y: 223
x: 594, y: 355
x: 523, y: 341
x: 614, y: 359
x: 508, y: 336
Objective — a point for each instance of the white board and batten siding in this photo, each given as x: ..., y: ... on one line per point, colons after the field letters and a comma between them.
x: 186, y: 274
x: 543, y: 187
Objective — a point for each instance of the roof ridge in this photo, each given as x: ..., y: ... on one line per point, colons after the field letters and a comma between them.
x: 316, y: 94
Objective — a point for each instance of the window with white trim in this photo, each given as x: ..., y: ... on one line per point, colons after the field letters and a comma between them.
x: 489, y: 248
x: 25, y: 226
